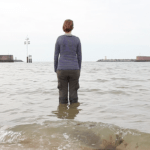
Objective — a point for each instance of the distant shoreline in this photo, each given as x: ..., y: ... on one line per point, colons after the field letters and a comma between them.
x: 122, y: 60
x: 116, y: 60
x: 10, y: 61
x: 18, y: 61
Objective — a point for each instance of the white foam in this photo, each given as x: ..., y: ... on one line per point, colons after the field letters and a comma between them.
x: 66, y: 136
x: 8, y: 136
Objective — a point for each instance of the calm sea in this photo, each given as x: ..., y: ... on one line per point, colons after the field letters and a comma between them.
x: 113, y: 112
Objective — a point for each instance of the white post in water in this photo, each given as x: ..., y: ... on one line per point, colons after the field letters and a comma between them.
x: 27, y: 42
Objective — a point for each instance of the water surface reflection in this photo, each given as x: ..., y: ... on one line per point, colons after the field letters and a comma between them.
x: 66, y: 111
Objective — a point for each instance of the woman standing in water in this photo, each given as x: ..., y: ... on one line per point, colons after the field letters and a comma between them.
x: 68, y: 65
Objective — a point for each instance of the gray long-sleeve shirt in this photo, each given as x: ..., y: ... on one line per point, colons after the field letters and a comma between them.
x: 68, y: 47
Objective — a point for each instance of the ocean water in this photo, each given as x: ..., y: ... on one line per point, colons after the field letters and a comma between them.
x: 113, y: 112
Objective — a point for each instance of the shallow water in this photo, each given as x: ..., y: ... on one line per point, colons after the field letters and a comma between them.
x: 113, y: 110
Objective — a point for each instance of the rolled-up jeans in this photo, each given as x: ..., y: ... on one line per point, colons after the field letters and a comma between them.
x: 68, y: 79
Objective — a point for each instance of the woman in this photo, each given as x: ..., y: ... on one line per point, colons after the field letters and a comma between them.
x: 68, y: 65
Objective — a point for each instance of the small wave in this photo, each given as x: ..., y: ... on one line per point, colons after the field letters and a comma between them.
x: 117, y: 92
x: 102, y: 80
x: 72, y: 135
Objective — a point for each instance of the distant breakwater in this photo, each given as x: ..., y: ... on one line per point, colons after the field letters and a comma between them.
x: 116, y: 60
x: 122, y: 60
x: 138, y: 59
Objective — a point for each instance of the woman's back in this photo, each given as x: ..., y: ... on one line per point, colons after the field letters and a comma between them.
x: 69, y: 48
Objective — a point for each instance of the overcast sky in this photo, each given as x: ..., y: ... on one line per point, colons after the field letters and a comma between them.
x: 112, y: 28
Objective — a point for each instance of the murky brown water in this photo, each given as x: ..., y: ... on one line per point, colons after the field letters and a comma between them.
x: 113, y: 110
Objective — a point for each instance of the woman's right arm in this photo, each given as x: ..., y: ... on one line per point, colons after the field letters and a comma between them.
x: 79, y: 54
x: 56, y: 54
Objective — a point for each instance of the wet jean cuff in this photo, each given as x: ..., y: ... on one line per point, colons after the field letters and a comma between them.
x: 63, y: 100
x: 73, y: 100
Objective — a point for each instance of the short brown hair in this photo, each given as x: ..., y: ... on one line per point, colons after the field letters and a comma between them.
x: 68, y: 25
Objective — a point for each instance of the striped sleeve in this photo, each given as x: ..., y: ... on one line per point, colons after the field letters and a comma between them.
x: 56, y: 54
x: 79, y: 54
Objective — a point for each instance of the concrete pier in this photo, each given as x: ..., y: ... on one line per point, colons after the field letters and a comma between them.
x: 6, y: 58
x: 143, y: 59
